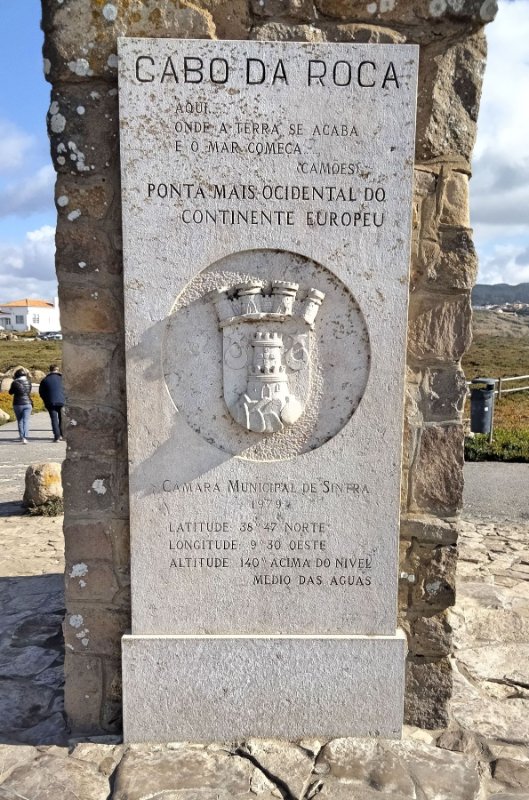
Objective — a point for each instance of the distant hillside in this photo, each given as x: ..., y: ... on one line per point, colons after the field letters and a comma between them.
x: 498, y: 293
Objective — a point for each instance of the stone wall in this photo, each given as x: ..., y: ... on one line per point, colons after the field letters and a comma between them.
x: 81, y: 64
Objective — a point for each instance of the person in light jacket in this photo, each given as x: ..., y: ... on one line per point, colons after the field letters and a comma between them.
x: 22, y: 403
x: 52, y: 392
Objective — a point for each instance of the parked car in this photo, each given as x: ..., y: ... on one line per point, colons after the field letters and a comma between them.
x: 50, y: 335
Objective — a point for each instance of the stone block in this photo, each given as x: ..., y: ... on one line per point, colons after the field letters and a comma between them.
x: 232, y: 688
x: 287, y: 762
x: 97, y: 431
x: 94, y: 485
x: 439, y: 327
x: 54, y: 776
x: 425, y: 221
x: 83, y: 692
x: 442, y: 394
x: 451, y: 262
x: 99, y: 381
x: 362, y: 33
x: 231, y: 17
x: 428, y: 690
x: 90, y: 579
x: 75, y: 200
x: 348, y: 769
x: 205, y: 772
x: 454, y: 200
x: 111, y: 709
x: 73, y: 58
x: 94, y: 629
x: 43, y: 483
x: 430, y: 637
x: 299, y: 10
x: 437, y: 479
x: 448, y: 98
x: 85, y: 540
x: 426, y: 528
x: 427, y: 19
x: 85, y: 252
x: 106, y: 539
x: 83, y: 129
x: 13, y: 756
x: 435, y: 576
x: 282, y: 32
x: 88, y: 310
x: 512, y: 773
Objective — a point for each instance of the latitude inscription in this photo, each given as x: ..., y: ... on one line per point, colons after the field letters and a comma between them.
x: 266, y: 191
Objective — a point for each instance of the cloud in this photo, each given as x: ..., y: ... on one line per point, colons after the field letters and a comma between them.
x: 523, y: 257
x: 28, y: 263
x: 505, y: 263
x: 29, y: 195
x: 504, y: 115
x: 499, y: 189
x: 501, y: 195
x: 27, y: 287
x: 15, y: 144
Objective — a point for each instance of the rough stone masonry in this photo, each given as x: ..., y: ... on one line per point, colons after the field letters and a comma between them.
x: 81, y: 64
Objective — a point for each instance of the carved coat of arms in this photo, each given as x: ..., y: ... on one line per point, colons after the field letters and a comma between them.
x: 267, y: 335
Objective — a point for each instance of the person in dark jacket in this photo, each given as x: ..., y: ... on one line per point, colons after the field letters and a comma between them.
x: 52, y: 393
x: 22, y: 402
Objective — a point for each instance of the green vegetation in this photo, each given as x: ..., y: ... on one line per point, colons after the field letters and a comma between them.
x: 6, y: 404
x: 506, y: 445
x: 500, y: 349
x: 32, y: 355
x: 53, y: 508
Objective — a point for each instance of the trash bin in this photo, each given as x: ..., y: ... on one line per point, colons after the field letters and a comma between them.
x: 482, y: 404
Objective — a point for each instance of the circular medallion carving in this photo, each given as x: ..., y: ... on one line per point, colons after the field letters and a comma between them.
x: 266, y: 354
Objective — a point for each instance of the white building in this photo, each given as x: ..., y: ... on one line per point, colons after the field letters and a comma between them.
x: 21, y: 315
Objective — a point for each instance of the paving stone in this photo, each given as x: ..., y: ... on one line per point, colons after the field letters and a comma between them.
x: 216, y: 773
x: 52, y: 778
x: 13, y: 756
x: 397, y: 769
x: 289, y: 763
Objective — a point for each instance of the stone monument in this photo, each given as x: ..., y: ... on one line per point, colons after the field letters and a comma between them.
x: 266, y: 191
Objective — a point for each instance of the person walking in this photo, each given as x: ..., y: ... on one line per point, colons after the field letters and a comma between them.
x: 52, y: 392
x: 22, y: 402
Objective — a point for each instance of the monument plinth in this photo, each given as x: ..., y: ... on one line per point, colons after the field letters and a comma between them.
x: 266, y: 222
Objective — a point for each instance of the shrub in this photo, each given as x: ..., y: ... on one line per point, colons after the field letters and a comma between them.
x: 506, y: 445
x: 6, y: 404
x: 53, y: 508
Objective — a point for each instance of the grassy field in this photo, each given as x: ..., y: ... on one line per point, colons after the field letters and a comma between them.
x: 500, y: 349
x: 31, y: 355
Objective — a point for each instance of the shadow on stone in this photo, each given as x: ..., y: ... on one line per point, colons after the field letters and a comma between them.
x: 31, y: 660
x: 12, y: 508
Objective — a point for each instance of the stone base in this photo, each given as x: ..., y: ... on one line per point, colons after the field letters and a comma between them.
x: 225, y: 688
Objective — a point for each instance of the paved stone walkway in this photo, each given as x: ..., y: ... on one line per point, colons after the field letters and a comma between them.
x: 494, y: 490
x: 483, y: 755
x: 15, y: 458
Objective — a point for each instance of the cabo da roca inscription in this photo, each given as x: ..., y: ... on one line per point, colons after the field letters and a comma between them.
x: 267, y: 207
x: 265, y: 371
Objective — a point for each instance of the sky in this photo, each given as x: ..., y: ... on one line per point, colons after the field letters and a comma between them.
x: 499, y: 187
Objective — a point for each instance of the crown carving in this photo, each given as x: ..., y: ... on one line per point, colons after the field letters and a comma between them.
x: 255, y: 300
